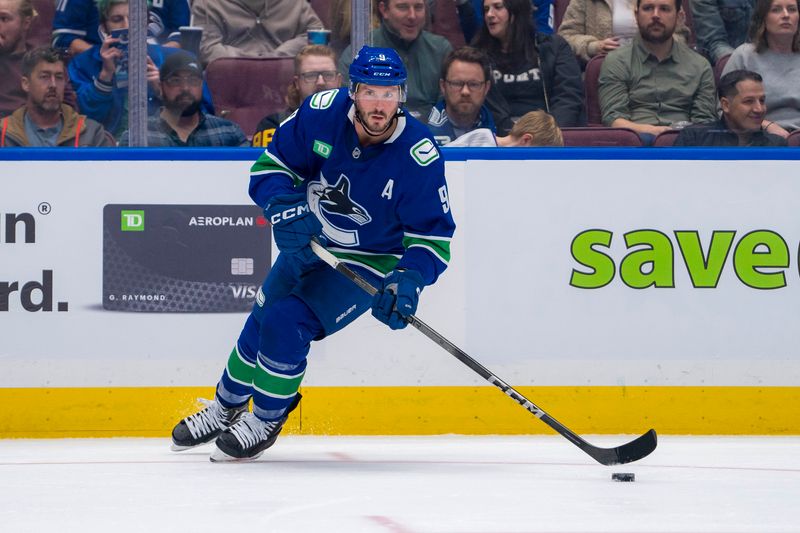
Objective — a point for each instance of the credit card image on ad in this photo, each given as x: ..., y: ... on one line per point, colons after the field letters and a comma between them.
x: 183, y: 258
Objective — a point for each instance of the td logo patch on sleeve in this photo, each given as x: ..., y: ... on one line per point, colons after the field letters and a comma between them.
x: 424, y: 152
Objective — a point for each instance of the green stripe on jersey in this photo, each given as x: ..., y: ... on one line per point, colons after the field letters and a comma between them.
x: 439, y: 247
x: 269, y: 163
x: 275, y: 384
x: 239, y: 369
x: 380, y: 264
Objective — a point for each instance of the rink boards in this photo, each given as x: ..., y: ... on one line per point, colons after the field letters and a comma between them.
x: 617, y: 290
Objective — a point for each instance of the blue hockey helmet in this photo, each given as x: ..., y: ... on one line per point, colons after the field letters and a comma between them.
x: 378, y: 66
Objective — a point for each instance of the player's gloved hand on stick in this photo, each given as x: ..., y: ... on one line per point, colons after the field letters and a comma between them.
x: 293, y: 224
x: 397, y: 299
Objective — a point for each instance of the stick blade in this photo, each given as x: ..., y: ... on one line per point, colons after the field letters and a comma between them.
x: 627, y: 453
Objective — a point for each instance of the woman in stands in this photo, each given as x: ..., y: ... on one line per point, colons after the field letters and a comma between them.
x: 530, y: 70
x: 774, y: 52
x: 596, y: 27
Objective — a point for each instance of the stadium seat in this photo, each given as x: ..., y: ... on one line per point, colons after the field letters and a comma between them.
x: 245, y: 90
x: 591, y: 83
x: 600, y: 136
x: 719, y: 67
x: 41, y: 31
x: 559, y: 8
x: 445, y: 22
x: 794, y: 138
x: 666, y: 138
x: 323, y: 10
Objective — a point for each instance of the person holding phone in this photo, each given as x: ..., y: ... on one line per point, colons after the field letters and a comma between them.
x: 101, y: 83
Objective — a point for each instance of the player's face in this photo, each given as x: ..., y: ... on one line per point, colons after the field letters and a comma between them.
x: 13, y: 27
x: 317, y: 73
x: 377, y: 105
x: 782, y: 18
x: 745, y: 111
x: 496, y: 18
x: 657, y: 20
x: 117, y: 18
x: 182, y: 92
x: 404, y: 17
x: 467, y: 99
x: 45, y: 86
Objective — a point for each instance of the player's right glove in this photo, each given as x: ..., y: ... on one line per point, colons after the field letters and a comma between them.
x: 397, y: 299
x: 293, y: 224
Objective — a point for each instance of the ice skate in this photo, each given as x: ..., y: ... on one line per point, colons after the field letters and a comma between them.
x: 249, y: 437
x: 205, y: 425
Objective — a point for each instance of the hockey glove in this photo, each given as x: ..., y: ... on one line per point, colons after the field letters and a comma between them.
x: 398, y: 298
x: 293, y: 224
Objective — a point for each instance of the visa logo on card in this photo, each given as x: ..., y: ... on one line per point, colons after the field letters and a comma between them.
x: 183, y: 258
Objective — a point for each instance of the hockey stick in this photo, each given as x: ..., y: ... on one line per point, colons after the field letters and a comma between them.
x: 627, y: 453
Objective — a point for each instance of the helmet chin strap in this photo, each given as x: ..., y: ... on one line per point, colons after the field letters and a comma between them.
x: 368, y: 131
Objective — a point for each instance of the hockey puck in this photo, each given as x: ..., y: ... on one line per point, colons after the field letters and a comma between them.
x: 623, y: 476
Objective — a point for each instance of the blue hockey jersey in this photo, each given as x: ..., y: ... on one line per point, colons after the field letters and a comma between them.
x: 382, y: 206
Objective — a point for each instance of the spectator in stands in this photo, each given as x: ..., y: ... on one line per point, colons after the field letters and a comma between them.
x: 422, y: 52
x: 314, y: 71
x: 181, y: 122
x: 16, y: 17
x: 530, y: 70
x: 542, y: 11
x: 656, y: 83
x: 465, y: 81
x: 77, y: 27
x: 774, y: 52
x: 743, y: 103
x: 596, y: 27
x: 45, y: 120
x: 535, y: 128
x: 721, y: 25
x: 92, y: 72
x: 253, y: 28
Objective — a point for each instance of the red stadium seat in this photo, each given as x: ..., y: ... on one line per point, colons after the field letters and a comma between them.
x: 794, y: 138
x: 559, y: 8
x: 445, y: 22
x: 245, y: 90
x: 323, y: 10
x: 41, y: 31
x: 666, y: 138
x: 591, y: 83
x: 719, y: 66
x: 600, y: 136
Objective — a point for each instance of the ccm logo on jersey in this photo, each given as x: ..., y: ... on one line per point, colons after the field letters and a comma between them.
x: 288, y: 214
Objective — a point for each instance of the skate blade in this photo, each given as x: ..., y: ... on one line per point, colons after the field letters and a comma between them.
x: 178, y: 448
x: 218, y: 456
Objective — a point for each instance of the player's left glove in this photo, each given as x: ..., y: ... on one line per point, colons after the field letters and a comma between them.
x: 397, y: 299
x: 293, y: 224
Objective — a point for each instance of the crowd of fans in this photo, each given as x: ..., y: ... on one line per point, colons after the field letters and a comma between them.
x: 722, y: 72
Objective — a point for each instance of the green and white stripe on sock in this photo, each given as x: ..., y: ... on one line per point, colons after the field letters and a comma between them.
x: 278, y: 384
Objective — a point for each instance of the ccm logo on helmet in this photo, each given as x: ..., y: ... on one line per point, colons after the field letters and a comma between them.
x: 288, y: 214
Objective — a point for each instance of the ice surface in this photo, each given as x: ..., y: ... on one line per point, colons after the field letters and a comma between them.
x: 440, y: 484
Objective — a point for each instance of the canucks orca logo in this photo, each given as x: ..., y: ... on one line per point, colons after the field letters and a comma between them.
x: 325, y: 200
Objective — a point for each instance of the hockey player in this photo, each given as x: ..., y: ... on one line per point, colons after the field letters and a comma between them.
x: 354, y: 170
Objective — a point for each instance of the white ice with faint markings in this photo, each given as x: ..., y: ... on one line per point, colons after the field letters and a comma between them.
x: 439, y: 484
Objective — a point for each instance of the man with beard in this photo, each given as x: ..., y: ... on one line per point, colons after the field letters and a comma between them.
x: 181, y: 122
x: 422, y: 52
x: 465, y: 82
x: 656, y: 83
x: 744, y: 105
x: 351, y: 169
x: 45, y: 120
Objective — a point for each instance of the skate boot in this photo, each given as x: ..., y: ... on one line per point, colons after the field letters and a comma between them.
x: 205, y: 425
x: 249, y: 437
